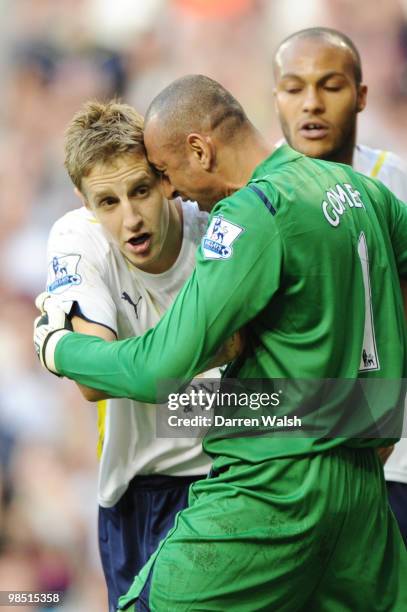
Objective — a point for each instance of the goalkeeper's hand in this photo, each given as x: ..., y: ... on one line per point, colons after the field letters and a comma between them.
x: 230, y: 349
x: 49, y: 328
x: 384, y: 452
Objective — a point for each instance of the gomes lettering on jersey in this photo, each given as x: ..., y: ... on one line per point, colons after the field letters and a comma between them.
x: 337, y: 200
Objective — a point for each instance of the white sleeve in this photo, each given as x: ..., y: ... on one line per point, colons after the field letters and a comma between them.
x: 76, y: 257
x: 394, y: 176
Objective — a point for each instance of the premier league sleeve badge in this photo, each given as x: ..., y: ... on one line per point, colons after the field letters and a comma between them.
x: 218, y: 240
x: 63, y: 273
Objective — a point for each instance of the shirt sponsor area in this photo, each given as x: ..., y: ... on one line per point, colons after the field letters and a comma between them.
x: 348, y: 408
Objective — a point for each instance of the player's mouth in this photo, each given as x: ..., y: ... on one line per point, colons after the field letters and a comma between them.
x: 139, y: 244
x: 313, y: 130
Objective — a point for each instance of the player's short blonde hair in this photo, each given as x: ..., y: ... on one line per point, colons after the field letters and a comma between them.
x: 99, y: 132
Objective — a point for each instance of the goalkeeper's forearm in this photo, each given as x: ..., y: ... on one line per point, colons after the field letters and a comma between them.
x: 111, y: 367
x: 105, y: 366
x: 126, y: 368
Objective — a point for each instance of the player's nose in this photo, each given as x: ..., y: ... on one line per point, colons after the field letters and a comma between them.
x: 132, y: 219
x: 313, y: 101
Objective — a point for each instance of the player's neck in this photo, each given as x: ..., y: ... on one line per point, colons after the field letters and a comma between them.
x: 244, y: 158
x: 344, y: 155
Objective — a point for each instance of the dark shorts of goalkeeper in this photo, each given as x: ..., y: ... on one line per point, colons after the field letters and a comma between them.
x: 303, y: 533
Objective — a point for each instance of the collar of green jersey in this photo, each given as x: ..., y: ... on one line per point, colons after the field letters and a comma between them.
x: 280, y: 156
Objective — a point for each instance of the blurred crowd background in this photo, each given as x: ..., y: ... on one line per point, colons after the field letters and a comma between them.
x: 54, y: 55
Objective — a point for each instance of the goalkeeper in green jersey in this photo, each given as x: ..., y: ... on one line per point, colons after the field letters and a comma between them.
x: 319, y: 93
x: 307, y: 255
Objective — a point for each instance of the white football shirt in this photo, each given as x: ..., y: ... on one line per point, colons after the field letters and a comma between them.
x: 86, y: 266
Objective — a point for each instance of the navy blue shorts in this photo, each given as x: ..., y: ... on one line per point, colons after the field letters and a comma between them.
x: 397, y: 492
x: 130, y: 531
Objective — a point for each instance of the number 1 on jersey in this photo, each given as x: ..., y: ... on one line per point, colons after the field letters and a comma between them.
x: 369, y: 359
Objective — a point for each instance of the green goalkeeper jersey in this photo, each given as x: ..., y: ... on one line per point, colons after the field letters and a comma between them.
x: 308, y: 257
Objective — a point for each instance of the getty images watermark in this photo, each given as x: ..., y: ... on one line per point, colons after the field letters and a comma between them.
x: 352, y: 408
x: 225, y: 406
x: 206, y: 401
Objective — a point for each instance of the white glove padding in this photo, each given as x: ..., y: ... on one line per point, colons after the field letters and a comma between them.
x: 49, y: 328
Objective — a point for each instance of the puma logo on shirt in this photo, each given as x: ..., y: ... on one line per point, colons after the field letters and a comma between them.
x: 125, y: 296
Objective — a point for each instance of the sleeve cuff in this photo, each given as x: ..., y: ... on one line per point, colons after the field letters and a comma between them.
x: 49, y: 350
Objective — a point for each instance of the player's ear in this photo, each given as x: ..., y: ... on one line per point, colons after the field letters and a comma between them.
x: 276, y: 108
x: 202, y: 149
x: 362, y: 97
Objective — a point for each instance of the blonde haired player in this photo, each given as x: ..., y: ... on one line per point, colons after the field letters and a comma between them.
x: 116, y: 264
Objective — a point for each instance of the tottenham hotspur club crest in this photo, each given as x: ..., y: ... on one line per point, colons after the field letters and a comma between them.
x: 218, y: 240
x: 125, y: 296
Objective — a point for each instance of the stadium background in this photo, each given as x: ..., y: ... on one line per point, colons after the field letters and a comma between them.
x: 53, y: 56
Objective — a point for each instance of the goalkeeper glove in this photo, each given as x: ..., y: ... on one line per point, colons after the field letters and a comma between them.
x: 49, y: 328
